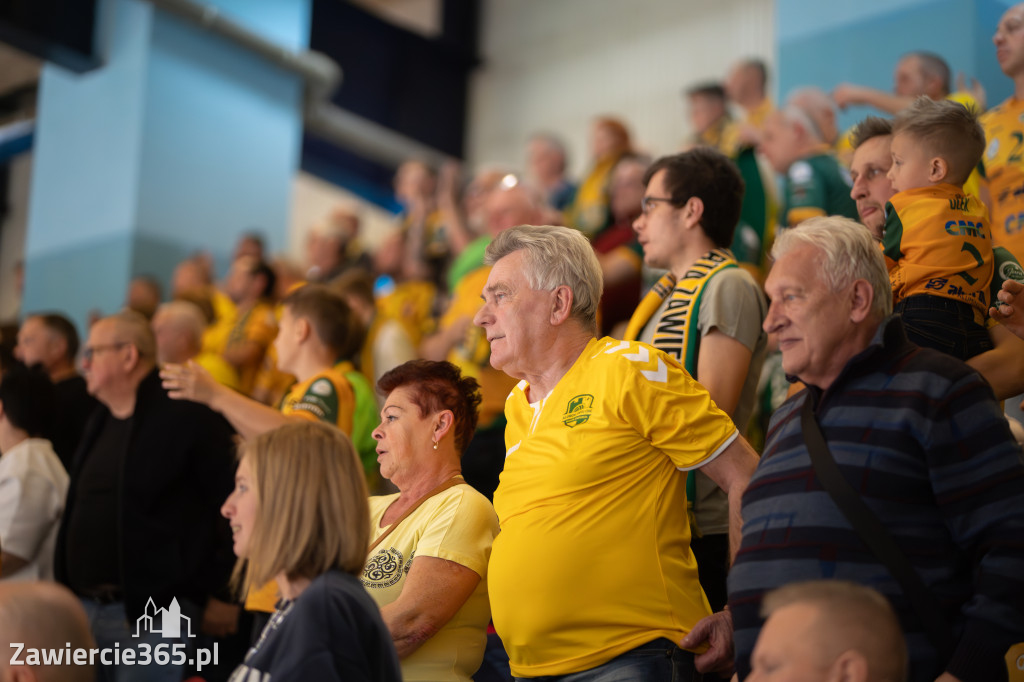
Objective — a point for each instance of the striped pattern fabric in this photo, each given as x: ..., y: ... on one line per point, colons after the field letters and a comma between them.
x: 922, y: 439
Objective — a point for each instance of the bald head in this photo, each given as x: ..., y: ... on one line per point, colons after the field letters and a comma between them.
x: 178, y: 327
x: 43, y: 615
x: 818, y: 627
x: 509, y: 207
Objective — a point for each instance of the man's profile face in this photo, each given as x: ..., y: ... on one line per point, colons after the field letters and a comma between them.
x: 658, y: 229
x: 1009, y: 41
x: 809, y: 319
x: 871, y: 185
x: 908, y: 78
x: 789, y: 647
x: 34, y: 341
x: 103, y: 361
x: 777, y: 142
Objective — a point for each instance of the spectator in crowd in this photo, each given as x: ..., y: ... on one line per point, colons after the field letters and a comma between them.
x: 617, y: 249
x: 43, y: 616
x: 51, y: 341
x: 813, y: 183
x: 821, y: 111
x: 178, y: 327
x: 1004, y: 167
x: 917, y: 74
x: 710, y: 122
x: 33, y: 482
x: 144, y: 295
x: 465, y: 345
x: 546, y: 166
x: 590, y: 210
x: 706, y: 312
x: 243, y: 338
x: 594, y: 443
x: 250, y: 244
x: 903, y: 424
x: 427, y: 568
x: 147, y: 483
x: 747, y: 88
x: 937, y: 239
x: 828, y: 630
x: 333, y: 246
x: 298, y: 517
x: 1003, y: 366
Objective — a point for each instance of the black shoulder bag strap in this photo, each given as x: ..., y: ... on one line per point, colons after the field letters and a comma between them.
x: 873, y: 532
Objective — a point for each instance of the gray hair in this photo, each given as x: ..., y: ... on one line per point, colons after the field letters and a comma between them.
x: 850, y: 252
x: 555, y: 256
x: 187, y: 317
x: 815, y: 105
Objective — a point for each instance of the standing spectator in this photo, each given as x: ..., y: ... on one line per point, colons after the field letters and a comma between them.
x: 590, y: 211
x: 51, y: 341
x: 33, y: 483
x: 747, y: 87
x: 592, y: 483
x: 916, y: 74
x: 141, y: 520
x: 1003, y: 162
x: 546, y: 163
x: 914, y: 435
x: 178, y: 327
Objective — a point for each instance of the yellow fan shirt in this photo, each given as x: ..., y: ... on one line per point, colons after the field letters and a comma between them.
x: 593, y: 557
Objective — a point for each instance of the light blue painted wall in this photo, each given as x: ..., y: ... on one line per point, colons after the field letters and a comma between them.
x: 826, y: 43
x: 178, y: 143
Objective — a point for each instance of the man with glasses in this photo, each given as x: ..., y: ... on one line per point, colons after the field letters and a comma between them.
x: 706, y: 312
x: 142, y: 519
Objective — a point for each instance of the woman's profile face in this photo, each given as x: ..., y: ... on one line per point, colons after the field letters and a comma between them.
x: 402, y: 436
x: 241, y: 506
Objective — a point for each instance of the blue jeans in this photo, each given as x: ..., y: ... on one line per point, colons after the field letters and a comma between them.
x: 943, y: 324
x: 110, y: 626
x: 658, y: 661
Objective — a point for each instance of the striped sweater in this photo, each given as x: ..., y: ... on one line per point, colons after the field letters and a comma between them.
x: 919, y: 435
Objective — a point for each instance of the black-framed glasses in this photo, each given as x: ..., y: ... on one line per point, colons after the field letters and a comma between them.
x: 89, y: 351
x: 647, y: 203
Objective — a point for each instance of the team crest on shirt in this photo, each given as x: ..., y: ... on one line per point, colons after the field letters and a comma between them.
x: 321, y: 387
x: 578, y: 410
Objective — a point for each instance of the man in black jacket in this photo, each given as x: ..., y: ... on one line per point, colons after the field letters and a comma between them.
x: 142, y: 517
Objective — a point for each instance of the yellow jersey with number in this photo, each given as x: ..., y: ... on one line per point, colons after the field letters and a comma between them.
x: 593, y: 557
x: 1003, y: 167
x: 937, y: 242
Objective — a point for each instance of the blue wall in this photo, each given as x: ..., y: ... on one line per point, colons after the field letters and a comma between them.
x: 180, y: 142
x: 827, y: 43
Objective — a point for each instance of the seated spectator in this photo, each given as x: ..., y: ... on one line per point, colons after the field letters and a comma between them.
x: 298, y: 517
x: 43, y: 616
x: 813, y: 184
x: 33, y: 483
x: 828, y: 630
x: 250, y: 244
x: 427, y: 568
x: 590, y: 211
x: 546, y: 165
x: 144, y: 295
x: 938, y: 241
x: 51, y: 341
x: 178, y: 327
x: 711, y: 124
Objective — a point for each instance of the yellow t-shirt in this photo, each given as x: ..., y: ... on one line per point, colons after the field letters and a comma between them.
x: 219, y: 368
x: 458, y: 525
x: 1003, y: 163
x: 326, y: 396
x: 472, y: 355
x: 937, y: 242
x: 257, y: 324
x: 593, y: 557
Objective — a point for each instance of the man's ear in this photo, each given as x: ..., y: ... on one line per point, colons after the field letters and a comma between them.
x: 938, y: 169
x: 693, y: 211
x: 862, y: 296
x: 302, y: 329
x: 561, y: 306
x: 849, y: 666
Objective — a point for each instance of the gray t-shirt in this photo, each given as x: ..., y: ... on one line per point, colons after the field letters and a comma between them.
x: 733, y: 304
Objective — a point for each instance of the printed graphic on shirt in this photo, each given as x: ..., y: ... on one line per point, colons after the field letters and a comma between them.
x: 578, y: 410
x: 384, y: 569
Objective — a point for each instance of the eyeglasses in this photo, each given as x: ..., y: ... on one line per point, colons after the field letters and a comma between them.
x: 647, y: 203
x: 89, y: 351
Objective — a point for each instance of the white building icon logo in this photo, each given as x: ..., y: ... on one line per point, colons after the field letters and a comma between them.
x: 166, y: 622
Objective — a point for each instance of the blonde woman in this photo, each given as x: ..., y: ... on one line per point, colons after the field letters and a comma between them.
x: 299, y: 516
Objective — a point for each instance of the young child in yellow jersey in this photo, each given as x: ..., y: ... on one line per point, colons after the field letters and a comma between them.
x: 937, y: 239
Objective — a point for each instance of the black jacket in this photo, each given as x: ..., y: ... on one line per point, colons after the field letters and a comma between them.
x: 177, y: 471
